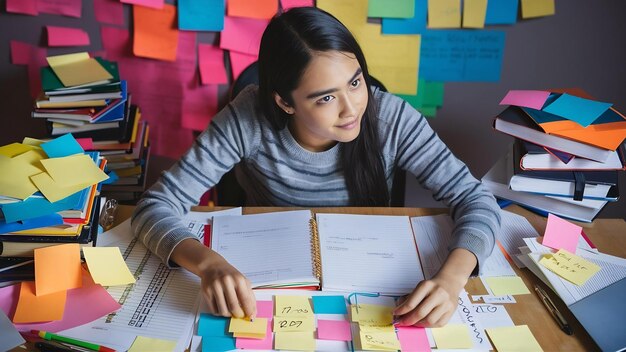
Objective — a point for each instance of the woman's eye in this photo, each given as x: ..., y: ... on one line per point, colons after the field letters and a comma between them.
x: 356, y: 83
x: 326, y: 99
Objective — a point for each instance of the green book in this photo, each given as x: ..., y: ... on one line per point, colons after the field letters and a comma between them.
x: 50, y: 81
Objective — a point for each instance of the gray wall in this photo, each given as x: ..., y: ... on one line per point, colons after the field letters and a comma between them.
x: 583, y: 45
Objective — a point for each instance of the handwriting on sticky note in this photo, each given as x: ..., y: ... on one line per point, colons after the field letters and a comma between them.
x: 377, y: 328
x: 570, y: 266
x: 304, y: 323
x: 293, y: 306
x: 378, y: 340
x: 370, y: 314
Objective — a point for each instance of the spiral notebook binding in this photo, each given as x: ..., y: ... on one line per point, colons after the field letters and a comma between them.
x: 315, y: 249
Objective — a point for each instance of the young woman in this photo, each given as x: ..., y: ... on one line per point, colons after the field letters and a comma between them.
x: 313, y: 133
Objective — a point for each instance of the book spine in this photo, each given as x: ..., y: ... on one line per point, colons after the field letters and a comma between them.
x: 315, y: 250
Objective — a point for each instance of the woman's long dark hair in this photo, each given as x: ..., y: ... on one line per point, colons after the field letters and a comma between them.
x: 287, y: 46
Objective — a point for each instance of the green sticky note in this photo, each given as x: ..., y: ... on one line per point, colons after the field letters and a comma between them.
x: 433, y: 93
x: 391, y: 8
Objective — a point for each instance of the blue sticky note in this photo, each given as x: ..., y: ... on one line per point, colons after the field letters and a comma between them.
x: 581, y: 110
x: 201, y: 15
x: 501, y: 12
x: 210, y: 325
x: 62, y: 146
x: 218, y: 343
x: 414, y: 25
x: 36, y: 207
x: 112, y: 178
x: 329, y: 305
x: 461, y: 55
x: 42, y: 221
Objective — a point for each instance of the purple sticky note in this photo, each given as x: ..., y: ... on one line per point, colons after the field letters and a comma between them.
x: 561, y: 234
x: 527, y: 98
x: 413, y: 339
x: 336, y: 330
x: 257, y: 344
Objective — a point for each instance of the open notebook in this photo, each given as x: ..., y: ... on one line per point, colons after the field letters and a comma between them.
x: 339, y: 252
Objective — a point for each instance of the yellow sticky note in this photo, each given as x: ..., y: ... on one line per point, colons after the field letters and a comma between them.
x: 107, y: 267
x: 303, y: 323
x: 376, y: 328
x: 57, y: 268
x: 289, y: 306
x: 452, y: 336
x: 246, y: 326
x: 295, y: 341
x: 513, y: 338
x: 370, y: 314
x: 352, y: 14
x: 36, y: 309
x: 379, y: 341
x: 32, y: 141
x: 15, y: 178
x: 32, y: 157
x: 444, y: 13
x: 249, y: 336
x: 65, y: 59
x: 77, y: 69
x: 570, y: 266
x: 52, y: 190
x: 14, y: 149
x: 507, y: 285
x: 537, y: 8
x: 73, y: 170
x: 149, y: 344
x: 474, y: 12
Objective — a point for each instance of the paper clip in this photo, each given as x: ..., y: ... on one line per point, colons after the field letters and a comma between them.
x: 107, y: 215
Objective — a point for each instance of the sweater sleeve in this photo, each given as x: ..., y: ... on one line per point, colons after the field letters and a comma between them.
x: 228, y: 139
x: 419, y: 150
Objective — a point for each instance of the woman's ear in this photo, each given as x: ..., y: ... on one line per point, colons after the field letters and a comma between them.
x: 283, y: 104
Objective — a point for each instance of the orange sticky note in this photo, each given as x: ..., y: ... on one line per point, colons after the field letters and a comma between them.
x: 36, y: 309
x: 263, y: 9
x: 155, y: 36
x: 57, y: 268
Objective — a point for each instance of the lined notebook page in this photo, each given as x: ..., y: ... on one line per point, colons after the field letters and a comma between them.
x: 269, y: 249
x: 368, y: 253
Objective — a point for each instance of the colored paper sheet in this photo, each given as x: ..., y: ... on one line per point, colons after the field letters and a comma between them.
x: 336, y: 330
x: 201, y: 15
x: 9, y: 336
x: 57, y: 268
x: 71, y: 8
x: 85, y: 143
x: 413, y: 25
x: 513, y: 338
x: 46, y: 220
x: 212, y: 326
x: 526, y: 98
x: 264, y: 343
x: 561, y: 234
x: 474, y: 12
x: 501, y: 12
x: 14, y: 149
x: 260, y: 9
x: 385, y: 341
x: 218, y: 344
x: 429, y: 94
x: 353, y: 14
x: 413, y: 339
x: 109, y: 12
x: 296, y: 341
x: 289, y: 306
x: 64, y: 145
x: 155, y: 36
x: 329, y: 305
x: 303, y: 323
x: 76, y: 69
x: 21, y: 53
x: 155, y: 4
x: 242, y: 34
x: 265, y: 309
x: 506, y: 285
x: 55, y: 191
x: 200, y: 106
x: 36, y: 207
x: 581, y: 110
x: 14, y: 179
x: 107, y: 267
x: 369, y: 314
x: 239, y: 62
x: 148, y: 344
x: 452, y: 336
x: 461, y: 55
x: 570, y: 266
x: 32, y: 308
x: 211, y: 63
x: 391, y: 8
x: 32, y: 157
x: 444, y: 14
x: 32, y: 141
x: 24, y: 7
x: 258, y: 326
x: 288, y: 4
x: 66, y: 36
x: 537, y: 8
x: 63, y: 170
x: 377, y: 328
x: 34, y: 58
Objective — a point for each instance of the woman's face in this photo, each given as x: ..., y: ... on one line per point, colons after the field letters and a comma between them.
x: 329, y: 102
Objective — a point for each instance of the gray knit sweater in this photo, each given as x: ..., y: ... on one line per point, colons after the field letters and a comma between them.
x: 277, y: 171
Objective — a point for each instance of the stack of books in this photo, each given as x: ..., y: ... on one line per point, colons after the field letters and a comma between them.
x: 567, y: 153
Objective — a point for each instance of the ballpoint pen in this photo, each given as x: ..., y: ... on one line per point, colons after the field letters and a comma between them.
x: 547, y: 302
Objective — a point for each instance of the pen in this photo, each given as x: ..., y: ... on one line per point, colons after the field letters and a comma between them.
x: 553, y: 311
x: 55, y: 337
x: 47, y: 347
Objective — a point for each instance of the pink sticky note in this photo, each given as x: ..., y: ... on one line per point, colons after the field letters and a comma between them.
x: 561, y: 234
x: 24, y: 7
x: 527, y: 98
x: 242, y: 34
x: 336, y: 330
x: 155, y: 4
x: 257, y: 344
x: 85, y: 143
x: 109, y: 11
x: 65, y: 36
x: 287, y: 4
x: 413, y: 339
x: 239, y: 62
x: 265, y: 309
x: 211, y: 62
x: 71, y: 8
x: 200, y: 106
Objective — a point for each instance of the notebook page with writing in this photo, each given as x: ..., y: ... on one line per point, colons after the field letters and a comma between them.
x: 269, y: 249
x: 368, y: 253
